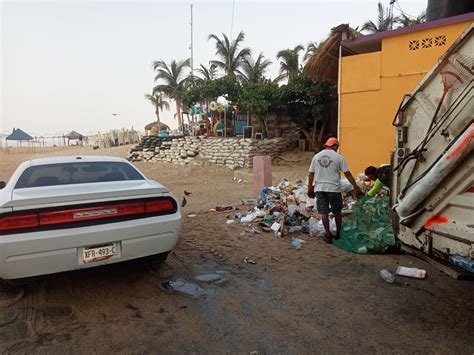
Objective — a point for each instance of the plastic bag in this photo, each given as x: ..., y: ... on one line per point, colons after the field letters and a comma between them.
x: 262, y: 197
x: 370, y: 228
x: 310, y: 202
x: 249, y: 218
x: 346, y: 186
x: 315, y: 227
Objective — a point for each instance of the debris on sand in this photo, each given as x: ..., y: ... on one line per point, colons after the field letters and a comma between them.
x: 286, y: 208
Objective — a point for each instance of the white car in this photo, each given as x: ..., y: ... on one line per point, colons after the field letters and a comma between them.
x: 67, y: 213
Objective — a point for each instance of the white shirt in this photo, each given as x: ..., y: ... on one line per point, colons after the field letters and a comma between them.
x: 327, y: 166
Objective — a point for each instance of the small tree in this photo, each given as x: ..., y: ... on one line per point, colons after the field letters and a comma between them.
x: 172, y: 82
x: 254, y: 70
x: 308, y: 103
x: 159, y: 103
x: 258, y: 98
x: 289, y: 63
x: 229, y: 53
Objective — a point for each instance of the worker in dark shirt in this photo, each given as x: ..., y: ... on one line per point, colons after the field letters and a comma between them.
x: 380, y: 175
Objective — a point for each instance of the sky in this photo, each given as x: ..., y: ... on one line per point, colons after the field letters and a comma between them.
x: 69, y: 65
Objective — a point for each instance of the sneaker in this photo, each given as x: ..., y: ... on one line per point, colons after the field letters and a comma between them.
x: 328, y: 238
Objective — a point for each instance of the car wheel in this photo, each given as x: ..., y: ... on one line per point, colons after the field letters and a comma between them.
x: 160, y: 258
x: 8, y: 286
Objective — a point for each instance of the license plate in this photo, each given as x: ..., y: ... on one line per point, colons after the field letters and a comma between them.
x: 100, y: 253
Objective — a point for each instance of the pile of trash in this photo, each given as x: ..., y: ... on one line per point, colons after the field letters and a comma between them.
x: 286, y: 208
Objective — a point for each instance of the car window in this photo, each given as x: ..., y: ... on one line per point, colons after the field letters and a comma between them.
x: 76, y: 173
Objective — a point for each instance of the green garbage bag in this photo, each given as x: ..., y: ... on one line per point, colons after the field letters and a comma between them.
x: 370, y: 229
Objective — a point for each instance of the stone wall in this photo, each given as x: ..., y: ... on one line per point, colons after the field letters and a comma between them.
x: 232, y: 152
x: 239, y: 152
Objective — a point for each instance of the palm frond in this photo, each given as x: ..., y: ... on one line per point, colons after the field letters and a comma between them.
x: 227, y: 51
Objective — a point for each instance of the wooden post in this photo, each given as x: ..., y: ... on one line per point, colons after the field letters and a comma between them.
x: 262, y: 173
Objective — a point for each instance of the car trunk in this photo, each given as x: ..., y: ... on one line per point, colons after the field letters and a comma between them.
x: 53, y: 196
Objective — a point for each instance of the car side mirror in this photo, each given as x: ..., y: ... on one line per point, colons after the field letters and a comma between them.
x: 2, y: 184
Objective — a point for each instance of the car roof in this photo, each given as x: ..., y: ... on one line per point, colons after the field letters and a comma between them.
x: 75, y: 159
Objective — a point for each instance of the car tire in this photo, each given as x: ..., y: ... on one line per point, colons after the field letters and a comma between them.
x: 8, y: 286
x: 160, y: 258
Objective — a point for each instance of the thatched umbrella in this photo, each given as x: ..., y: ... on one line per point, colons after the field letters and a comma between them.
x: 324, y: 64
x: 162, y: 127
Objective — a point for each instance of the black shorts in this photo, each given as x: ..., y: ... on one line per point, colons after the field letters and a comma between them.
x: 328, y: 202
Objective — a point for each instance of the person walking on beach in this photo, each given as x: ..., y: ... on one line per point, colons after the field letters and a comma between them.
x: 324, y: 183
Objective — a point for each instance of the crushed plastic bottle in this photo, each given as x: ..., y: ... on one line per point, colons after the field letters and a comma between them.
x: 462, y: 262
x: 387, y: 276
x: 296, y: 244
x: 249, y: 218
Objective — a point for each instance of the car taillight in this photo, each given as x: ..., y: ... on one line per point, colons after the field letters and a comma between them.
x: 135, y: 209
x: 163, y: 205
x: 85, y: 214
x: 17, y: 222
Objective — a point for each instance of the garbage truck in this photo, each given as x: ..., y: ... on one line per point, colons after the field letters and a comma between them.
x: 432, y: 185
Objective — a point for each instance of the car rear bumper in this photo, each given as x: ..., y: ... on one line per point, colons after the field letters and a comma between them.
x: 47, y: 252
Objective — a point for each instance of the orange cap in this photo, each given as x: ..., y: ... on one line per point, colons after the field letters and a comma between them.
x: 331, y: 142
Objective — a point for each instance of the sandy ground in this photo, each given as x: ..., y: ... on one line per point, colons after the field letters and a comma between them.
x: 316, y: 300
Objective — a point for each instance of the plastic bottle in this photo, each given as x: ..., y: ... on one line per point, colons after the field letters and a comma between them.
x: 313, y: 227
x: 387, y: 276
x: 296, y: 244
x: 462, y: 262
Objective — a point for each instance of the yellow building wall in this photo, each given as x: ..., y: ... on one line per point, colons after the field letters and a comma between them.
x: 372, y: 86
x: 364, y: 72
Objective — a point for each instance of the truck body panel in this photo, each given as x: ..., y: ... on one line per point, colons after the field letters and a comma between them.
x: 433, y: 162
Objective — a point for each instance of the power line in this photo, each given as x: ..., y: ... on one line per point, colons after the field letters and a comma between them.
x: 399, y: 8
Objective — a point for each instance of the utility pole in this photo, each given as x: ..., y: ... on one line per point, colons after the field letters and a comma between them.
x: 191, y: 46
x: 232, y: 22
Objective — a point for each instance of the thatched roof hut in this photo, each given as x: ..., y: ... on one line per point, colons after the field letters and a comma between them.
x: 324, y: 64
x: 163, y: 126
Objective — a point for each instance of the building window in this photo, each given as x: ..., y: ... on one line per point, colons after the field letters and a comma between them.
x: 426, y: 42
x: 414, y: 45
x: 440, y: 41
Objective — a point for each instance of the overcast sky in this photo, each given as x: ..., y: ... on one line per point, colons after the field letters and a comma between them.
x: 71, y: 64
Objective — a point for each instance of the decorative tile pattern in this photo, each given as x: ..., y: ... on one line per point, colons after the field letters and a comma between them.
x: 426, y: 42
x: 440, y: 41
x: 414, y: 45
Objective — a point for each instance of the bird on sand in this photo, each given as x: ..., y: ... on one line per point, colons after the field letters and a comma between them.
x: 183, y: 203
x: 187, y: 193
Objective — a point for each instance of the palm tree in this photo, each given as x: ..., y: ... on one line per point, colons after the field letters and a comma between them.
x: 405, y: 21
x: 230, y: 56
x: 208, y: 73
x: 253, y: 70
x: 160, y: 104
x: 290, y: 63
x: 384, y: 21
x: 173, y: 80
x: 310, y: 49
